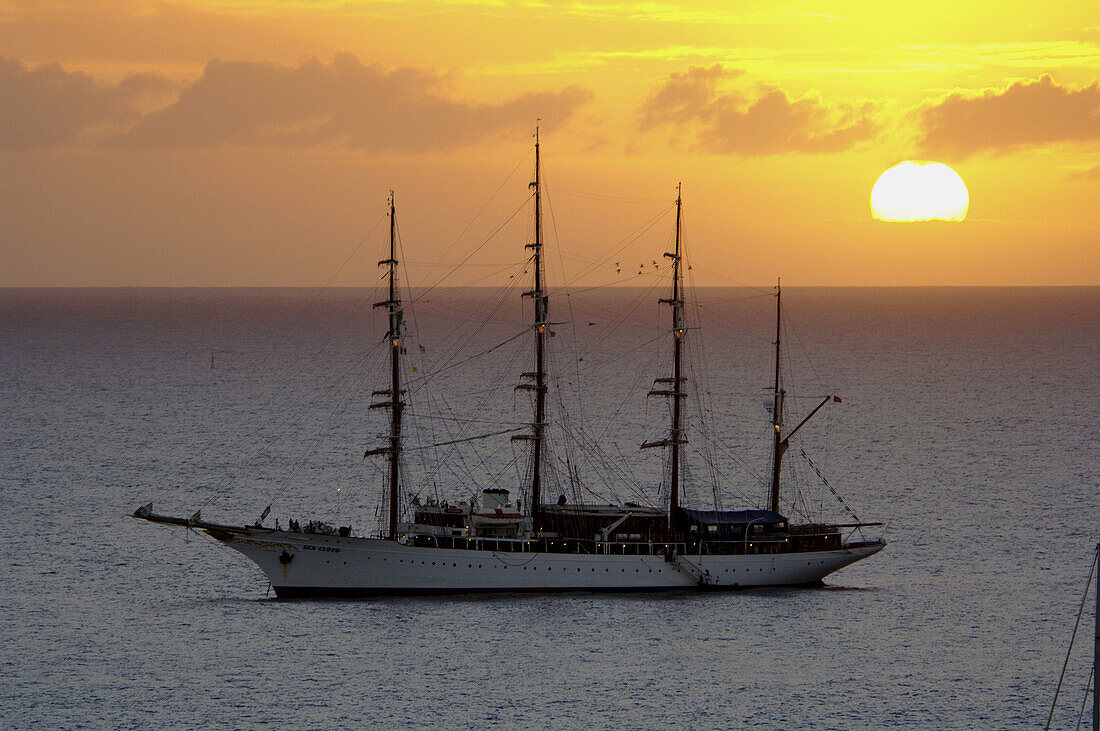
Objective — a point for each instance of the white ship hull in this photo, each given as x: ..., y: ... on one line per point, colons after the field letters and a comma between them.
x: 302, y: 565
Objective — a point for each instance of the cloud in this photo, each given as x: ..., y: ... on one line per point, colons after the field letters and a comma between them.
x: 48, y: 106
x: 769, y: 123
x: 682, y: 97
x: 1092, y: 173
x: 1027, y: 113
x: 345, y: 103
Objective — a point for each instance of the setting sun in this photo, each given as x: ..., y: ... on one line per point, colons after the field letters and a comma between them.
x: 243, y: 142
x: 919, y: 191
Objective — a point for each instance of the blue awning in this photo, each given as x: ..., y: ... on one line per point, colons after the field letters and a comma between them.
x: 727, y: 525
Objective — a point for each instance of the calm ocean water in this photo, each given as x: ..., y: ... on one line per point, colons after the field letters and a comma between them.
x: 969, y: 423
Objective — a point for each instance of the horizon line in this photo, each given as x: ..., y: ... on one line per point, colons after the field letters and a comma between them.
x: 552, y: 287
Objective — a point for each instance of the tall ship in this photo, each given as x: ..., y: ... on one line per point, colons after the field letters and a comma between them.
x: 524, y: 543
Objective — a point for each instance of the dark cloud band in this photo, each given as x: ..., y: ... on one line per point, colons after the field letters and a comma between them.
x: 769, y: 123
x: 1027, y: 113
x: 48, y: 106
x: 345, y: 103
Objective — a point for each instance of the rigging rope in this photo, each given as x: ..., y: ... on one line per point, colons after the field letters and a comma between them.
x: 462, y: 233
x: 232, y: 479
x: 449, y: 366
x: 1084, y: 700
x: 468, y: 439
x: 604, y: 196
x: 420, y: 296
x: 826, y: 483
x: 1080, y: 611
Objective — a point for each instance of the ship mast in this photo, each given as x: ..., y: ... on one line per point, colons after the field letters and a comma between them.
x: 539, y: 374
x: 779, y: 394
x: 394, y: 404
x: 777, y: 407
x: 676, y: 433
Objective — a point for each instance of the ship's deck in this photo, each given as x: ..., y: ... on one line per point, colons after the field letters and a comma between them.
x: 773, y: 544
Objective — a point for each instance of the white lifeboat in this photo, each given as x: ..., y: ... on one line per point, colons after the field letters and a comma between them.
x: 496, y: 509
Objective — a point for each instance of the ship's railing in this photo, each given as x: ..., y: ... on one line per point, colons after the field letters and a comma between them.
x: 767, y: 544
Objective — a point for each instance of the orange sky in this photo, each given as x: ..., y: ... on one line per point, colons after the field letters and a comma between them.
x: 242, y: 142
